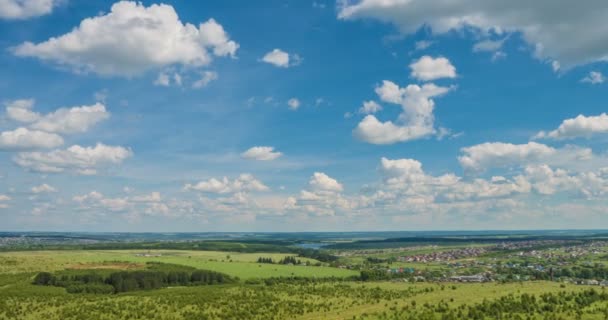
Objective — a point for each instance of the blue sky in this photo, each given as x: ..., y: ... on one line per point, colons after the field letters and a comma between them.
x: 302, y: 115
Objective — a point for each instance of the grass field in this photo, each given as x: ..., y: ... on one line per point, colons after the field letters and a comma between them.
x: 240, y: 265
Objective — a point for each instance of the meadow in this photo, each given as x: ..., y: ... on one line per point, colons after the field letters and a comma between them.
x: 242, y: 265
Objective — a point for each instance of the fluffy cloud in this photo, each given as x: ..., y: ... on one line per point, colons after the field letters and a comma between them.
x: 481, y: 157
x: 406, y: 183
x: 322, y: 182
x: 370, y: 107
x: 281, y: 58
x: 245, y: 182
x: 23, y: 9
x: 548, y: 181
x: 43, y: 188
x: 293, y: 103
x: 23, y: 138
x: 415, y: 121
x: 594, y: 77
x: 428, y: 68
x: 581, y: 126
x: 72, y: 120
x: 499, y: 154
x: 131, y: 39
x: 81, y: 160
x: 20, y: 110
x: 556, y: 30
x: 261, y: 153
x: 63, y: 120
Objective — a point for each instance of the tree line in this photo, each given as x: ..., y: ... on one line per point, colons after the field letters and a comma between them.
x: 125, y: 281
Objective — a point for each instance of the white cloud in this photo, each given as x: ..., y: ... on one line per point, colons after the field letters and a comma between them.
x: 293, y: 103
x: 428, y: 68
x: 581, y: 126
x: 548, y: 181
x: 206, y: 78
x: 63, y: 120
x: 594, y: 77
x: 43, y: 188
x: 23, y: 9
x: 370, y: 107
x: 371, y: 130
x: 322, y: 182
x: 280, y: 58
x: 72, y: 120
x: 261, y: 153
x: 245, y: 182
x: 572, y: 35
x: 20, y: 110
x: 23, y: 138
x: 81, y: 160
x: 131, y: 39
x: 488, y: 155
x: 499, y: 154
x: 415, y: 121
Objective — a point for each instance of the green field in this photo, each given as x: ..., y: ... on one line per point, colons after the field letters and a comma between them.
x: 312, y: 295
x: 236, y: 264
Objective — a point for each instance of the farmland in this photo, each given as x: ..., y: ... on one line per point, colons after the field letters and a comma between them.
x: 505, y: 278
x: 240, y: 265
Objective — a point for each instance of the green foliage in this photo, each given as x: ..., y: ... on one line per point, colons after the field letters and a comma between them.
x: 158, y: 275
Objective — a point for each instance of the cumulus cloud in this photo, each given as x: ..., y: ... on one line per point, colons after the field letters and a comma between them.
x: 261, y: 153
x: 77, y: 159
x: 415, y: 121
x: 63, y: 120
x: 581, y: 126
x: 293, y: 103
x: 499, y: 154
x: 406, y: 183
x: 322, y: 182
x: 481, y: 157
x: 72, y: 120
x: 557, y: 31
x: 43, y: 188
x: 594, y: 77
x: 23, y: 9
x: 23, y: 138
x: 548, y: 181
x: 20, y: 110
x: 428, y: 68
x: 282, y: 59
x: 132, y: 39
x: 370, y: 107
x: 244, y: 182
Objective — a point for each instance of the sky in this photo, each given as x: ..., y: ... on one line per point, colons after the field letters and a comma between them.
x: 296, y: 115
